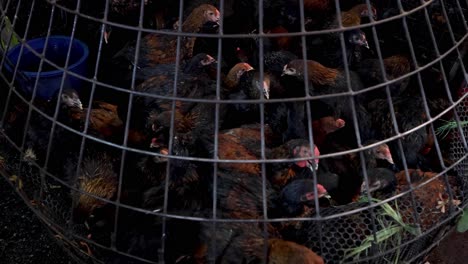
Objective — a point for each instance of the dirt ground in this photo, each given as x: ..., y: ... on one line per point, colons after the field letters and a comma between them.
x: 24, y: 240
x: 452, y: 250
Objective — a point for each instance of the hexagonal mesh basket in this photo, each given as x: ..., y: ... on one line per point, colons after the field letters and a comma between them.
x: 198, y: 131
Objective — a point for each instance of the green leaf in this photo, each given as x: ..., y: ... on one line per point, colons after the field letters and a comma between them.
x: 462, y: 224
x: 8, y: 32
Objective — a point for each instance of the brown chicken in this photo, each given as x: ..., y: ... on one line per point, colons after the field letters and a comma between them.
x: 432, y: 199
x: 230, y: 148
x: 324, y: 80
x: 104, y: 121
x: 161, y: 48
x: 97, y: 177
x: 324, y: 126
x: 231, y: 81
x: 353, y: 16
x: 317, y: 5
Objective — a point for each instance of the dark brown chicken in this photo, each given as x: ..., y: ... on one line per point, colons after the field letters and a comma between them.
x: 395, y: 67
x: 327, y: 48
x: 349, y: 169
x: 153, y: 115
x: 283, y: 173
x: 409, y: 113
x: 324, y: 80
x: 184, y: 180
x: 166, y: 72
x: 250, y: 87
x: 161, y: 48
x: 298, y: 196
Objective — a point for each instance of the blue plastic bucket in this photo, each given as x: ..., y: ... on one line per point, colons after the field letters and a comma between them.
x: 50, y: 77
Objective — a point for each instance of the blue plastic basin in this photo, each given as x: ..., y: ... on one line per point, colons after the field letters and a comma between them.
x: 50, y: 77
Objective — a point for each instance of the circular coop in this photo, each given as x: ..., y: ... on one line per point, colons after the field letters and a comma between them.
x: 200, y: 131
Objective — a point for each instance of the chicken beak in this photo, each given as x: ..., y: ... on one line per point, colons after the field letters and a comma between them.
x: 154, y: 143
x: 266, y: 90
x: 77, y: 103
x: 107, y: 32
x: 284, y: 70
x: 366, y: 44
x: 388, y: 156
x: 313, y: 166
x: 390, y: 159
x: 363, y: 187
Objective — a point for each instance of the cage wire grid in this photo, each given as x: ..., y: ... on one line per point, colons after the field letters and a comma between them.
x: 322, y: 220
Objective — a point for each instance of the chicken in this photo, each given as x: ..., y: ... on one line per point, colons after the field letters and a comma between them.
x: 161, y: 49
x: 123, y: 7
x: 296, y: 148
x: 244, y: 243
x: 382, y: 183
x: 249, y: 136
x: 328, y: 49
x: 39, y: 129
x: 232, y: 79
x: 104, y: 121
x: 323, y: 80
x: 409, y: 112
x: 184, y: 181
x: 349, y: 169
x: 317, y: 5
x: 153, y: 115
x: 324, y: 126
x: 97, y: 177
x: 299, y: 194
x: 353, y: 16
x: 250, y: 87
x: 230, y: 149
x: 207, y: 45
x: 166, y: 72
x: 395, y: 67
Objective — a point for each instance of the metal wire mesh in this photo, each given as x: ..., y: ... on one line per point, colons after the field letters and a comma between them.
x: 116, y: 189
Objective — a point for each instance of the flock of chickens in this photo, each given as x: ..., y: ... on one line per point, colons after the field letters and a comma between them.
x: 191, y: 138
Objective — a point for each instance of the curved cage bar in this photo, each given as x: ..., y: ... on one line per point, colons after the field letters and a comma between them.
x: 201, y: 131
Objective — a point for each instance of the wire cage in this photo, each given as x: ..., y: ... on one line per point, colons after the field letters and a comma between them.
x: 199, y: 131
